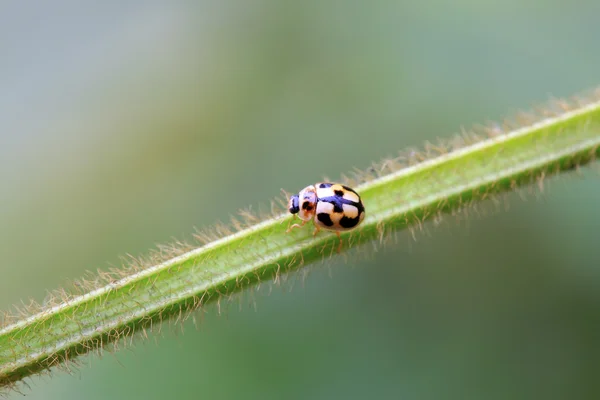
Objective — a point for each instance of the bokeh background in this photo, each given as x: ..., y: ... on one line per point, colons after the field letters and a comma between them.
x: 126, y: 123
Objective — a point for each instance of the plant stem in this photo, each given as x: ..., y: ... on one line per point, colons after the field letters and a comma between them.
x: 565, y: 137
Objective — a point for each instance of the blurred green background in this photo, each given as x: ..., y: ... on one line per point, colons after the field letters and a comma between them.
x: 126, y: 123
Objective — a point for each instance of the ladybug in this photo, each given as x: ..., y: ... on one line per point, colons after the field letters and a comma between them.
x: 331, y: 206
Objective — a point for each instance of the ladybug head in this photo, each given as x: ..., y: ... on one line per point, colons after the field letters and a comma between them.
x: 293, y: 206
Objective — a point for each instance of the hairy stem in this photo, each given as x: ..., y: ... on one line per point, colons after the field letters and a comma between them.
x: 469, y: 169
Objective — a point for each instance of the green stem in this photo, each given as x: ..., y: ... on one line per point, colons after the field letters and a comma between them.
x: 406, y: 197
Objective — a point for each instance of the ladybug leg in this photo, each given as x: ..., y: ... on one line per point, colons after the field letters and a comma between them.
x: 300, y: 225
x: 317, y: 229
x: 293, y: 219
x: 340, y: 245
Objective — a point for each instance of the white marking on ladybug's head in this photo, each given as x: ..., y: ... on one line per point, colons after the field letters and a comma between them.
x: 307, y: 203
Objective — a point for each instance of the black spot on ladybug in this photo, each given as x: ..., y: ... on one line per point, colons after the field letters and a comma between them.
x: 339, y: 193
x: 360, y: 206
x: 307, y: 206
x: 348, y: 188
x: 346, y: 222
x: 325, y: 219
x: 325, y: 185
x: 337, y: 202
x: 337, y: 207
